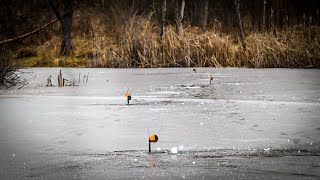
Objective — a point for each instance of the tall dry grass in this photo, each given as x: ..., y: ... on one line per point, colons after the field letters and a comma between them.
x: 295, y: 47
x: 135, y: 42
x: 141, y: 46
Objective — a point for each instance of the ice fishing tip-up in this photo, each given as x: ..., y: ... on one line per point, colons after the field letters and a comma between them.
x: 153, y: 138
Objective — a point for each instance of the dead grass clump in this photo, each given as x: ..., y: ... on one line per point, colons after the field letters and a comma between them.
x: 26, y: 52
x: 295, y: 47
x: 143, y: 47
x: 10, y: 75
x: 138, y: 43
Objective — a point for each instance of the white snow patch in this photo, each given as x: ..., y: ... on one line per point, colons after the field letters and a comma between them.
x: 174, y: 150
x: 180, y: 147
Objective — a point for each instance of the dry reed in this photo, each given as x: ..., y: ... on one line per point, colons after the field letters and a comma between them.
x: 137, y: 43
x: 140, y: 42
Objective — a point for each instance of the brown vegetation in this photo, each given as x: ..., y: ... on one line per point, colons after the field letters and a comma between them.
x: 295, y: 47
x: 123, y: 38
x: 137, y: 44
x: 9, y: 72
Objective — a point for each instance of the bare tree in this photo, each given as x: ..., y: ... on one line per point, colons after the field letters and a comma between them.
x: 64, y: 14
x: 264, y: 15
x: 163, y: 18
x: 179, y: 15
x: 201, y: 13
x: 239, y: 23
x: 204, y: 20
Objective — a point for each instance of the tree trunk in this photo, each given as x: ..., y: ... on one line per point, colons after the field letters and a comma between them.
x: 318, y: 17
x: 204, y: 20
x: 239, y: 23
x: 179, y: 16
x: 268, y: 18
x: 253, y: 15
x: 66, y: 46
x: 280, y: 7
x: 272, y: 21
x: 278, y: 14
x: 163, y: 18
x: 291, y: 15
x: 314, y: 16
x: 162, y: 33
x: 65, y: 19
x: 264, y: 16
x: 259, y: 10
x: 226, y: 17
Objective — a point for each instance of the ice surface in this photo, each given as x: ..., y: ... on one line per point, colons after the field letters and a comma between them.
x: 243, y: 113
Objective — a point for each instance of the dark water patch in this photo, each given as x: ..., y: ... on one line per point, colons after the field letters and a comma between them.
x: 251, y: 153
x: 287, y: 152
x: 307, y: 137
x: 283, y: 134
x: 141, y: 103
x: 296, y: 141
x: 303, y: 110
x: 110, y: 105
x: 62, y: 142
x: 238, y: 122
x: 154, y: 74
x: 218, y: 153
x: 286, y: 174
x: 229, y: 165
x: 71, y: 167
x: 48, y: 149
x: 140, y: 163
x: 79, y: 133
x: 139, y: 152
x: 207, y: 86
x: 195, y: 86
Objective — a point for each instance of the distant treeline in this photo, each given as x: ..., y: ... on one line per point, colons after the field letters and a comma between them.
x: 18, y: 16
x: 258, y: 14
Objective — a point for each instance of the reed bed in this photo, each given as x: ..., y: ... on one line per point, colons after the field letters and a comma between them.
x: 137, y: 43
x: 142, y: 47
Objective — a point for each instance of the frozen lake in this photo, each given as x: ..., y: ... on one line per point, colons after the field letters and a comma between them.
x: 249, y: 123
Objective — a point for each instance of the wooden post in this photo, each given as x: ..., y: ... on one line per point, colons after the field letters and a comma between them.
x: 129, y: 98
x: 60, y: 80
